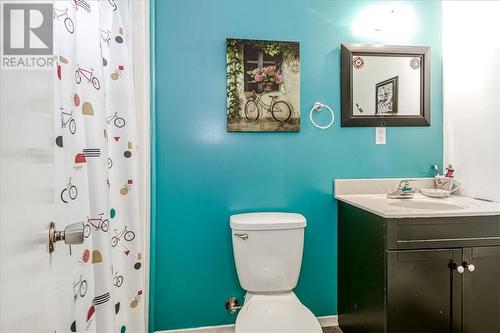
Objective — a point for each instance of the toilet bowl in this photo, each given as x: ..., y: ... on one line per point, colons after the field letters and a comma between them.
x: 275, y: 313
x: 267, y: 251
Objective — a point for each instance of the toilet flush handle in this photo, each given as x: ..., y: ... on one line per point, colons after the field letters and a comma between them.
x: 242, y: 236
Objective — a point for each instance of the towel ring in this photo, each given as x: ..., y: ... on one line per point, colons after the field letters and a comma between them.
x: 318, y: 107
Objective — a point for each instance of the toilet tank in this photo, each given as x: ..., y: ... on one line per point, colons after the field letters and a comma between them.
x: 267, y: 250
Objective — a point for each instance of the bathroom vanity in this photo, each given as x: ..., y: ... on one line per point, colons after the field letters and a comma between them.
x: 416, y: 265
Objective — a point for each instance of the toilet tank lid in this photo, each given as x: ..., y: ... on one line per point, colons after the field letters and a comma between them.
x: 267, y: 221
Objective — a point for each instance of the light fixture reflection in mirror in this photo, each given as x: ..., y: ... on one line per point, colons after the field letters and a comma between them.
x: 388, y: 22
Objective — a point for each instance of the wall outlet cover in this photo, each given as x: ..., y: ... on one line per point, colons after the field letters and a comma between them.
x: 380, y: 135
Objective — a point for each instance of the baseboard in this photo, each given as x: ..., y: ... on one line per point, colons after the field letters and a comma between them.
x: 328, y: 321
x: 325, y: 321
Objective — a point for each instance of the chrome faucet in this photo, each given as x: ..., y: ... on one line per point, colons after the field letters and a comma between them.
x: 404, y: 190
x: 435, y: 168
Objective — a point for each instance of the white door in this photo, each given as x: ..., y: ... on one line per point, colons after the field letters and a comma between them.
x: 38, y: 289
x: 31, y: 280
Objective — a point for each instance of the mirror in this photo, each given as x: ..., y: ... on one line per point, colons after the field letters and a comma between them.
x: 385, y: 85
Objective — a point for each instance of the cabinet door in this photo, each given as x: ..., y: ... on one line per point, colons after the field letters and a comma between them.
x: 420, y: 290
x: 481, y: 290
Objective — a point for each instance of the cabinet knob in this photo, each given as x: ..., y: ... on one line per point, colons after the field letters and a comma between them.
x: 470, y: 267
x: 459, y: 268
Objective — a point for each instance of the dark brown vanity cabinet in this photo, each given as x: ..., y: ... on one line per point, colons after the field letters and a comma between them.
x: 418, y: 274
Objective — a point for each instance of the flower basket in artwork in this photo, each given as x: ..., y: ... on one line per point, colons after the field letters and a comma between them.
x: 268, y: 76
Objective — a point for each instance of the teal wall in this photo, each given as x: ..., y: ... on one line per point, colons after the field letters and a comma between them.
x: 204, y: 174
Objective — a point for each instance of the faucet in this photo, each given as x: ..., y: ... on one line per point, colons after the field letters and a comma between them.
x: 404, y: 190
x: 436, y: 170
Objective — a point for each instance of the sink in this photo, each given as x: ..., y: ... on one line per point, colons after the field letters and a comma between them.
x: 371, y: 195
x: 427, y: 205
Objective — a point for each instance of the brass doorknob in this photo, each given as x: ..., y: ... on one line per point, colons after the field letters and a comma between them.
x: 72, y: 234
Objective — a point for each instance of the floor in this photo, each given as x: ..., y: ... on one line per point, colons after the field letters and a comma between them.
x: 230, y: 329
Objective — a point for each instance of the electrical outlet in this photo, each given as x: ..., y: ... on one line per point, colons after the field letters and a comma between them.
x: 380, y: 135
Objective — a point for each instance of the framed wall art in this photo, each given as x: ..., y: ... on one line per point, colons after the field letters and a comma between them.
x: 263, y: 86
x: 386, y: 96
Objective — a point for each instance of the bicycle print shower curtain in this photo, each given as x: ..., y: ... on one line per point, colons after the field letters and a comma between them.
x: 97, y: 168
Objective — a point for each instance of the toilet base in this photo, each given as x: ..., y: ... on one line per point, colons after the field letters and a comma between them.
x: 275, y: 313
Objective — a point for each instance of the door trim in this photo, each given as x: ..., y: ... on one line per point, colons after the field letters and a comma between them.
x: 140, y: 27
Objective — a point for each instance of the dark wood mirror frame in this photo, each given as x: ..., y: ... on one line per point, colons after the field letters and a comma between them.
x: 350, y: 120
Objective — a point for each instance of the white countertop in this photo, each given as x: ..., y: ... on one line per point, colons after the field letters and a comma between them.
x: 370, y: 195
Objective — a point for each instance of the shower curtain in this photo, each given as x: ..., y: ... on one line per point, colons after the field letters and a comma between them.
x: 96, y: 167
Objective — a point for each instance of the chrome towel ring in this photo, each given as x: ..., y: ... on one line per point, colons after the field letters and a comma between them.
x: 318, y: 107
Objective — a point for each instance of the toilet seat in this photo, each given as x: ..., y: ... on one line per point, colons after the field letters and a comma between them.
x: 275, y: 313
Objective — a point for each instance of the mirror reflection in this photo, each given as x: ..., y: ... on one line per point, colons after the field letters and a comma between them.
x: 386, y: 85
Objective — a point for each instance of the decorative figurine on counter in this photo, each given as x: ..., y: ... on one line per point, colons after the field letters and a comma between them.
x: 449, y: 171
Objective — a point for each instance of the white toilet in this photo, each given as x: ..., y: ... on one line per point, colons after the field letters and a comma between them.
x: 268, y: 254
